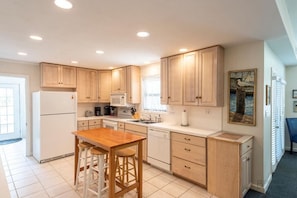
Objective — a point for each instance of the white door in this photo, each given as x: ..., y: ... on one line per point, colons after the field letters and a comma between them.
x: 9, y: 111
x: 278, y: 121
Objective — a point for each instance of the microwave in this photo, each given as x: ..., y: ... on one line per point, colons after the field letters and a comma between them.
x: 118, y: 99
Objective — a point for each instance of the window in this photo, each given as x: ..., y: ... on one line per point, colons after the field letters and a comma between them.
x: 151, y: 94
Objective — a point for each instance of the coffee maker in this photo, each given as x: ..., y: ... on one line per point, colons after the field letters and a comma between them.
x: 107, y: 110
x: 97, y: 111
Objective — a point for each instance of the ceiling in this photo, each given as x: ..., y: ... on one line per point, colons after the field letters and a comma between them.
x: 111, y: 26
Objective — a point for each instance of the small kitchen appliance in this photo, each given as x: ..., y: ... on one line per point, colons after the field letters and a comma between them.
x: 107, y: 110
x: 97, y: 111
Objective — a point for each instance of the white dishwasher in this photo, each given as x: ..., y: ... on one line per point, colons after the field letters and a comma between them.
x: 159, y: 148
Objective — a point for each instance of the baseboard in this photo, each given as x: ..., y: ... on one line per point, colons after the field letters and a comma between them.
x: 260, y: 187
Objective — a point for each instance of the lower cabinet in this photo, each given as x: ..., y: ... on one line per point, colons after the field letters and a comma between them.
x: 188, y: 157
x: 229, y: 164
x: 88, y: 124
x: 141, y: 131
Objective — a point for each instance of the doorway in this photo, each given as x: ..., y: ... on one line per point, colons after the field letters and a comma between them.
x: 12, y: 108
x: 278, y: 121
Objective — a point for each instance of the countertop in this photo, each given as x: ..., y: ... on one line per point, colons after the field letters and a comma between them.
x: 163, y: 125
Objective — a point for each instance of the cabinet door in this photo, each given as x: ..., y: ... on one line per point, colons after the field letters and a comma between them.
x: 50, y: 75
x: 246, y: 172
x: 211, y: 77
x: 164, y: 79
x: 86, y: 85
x: 133, y: 84
x: 104, y: 86
x: 190, y: 67
x: 68, y: 76
x: 175, y: 80
x: 118, y: 77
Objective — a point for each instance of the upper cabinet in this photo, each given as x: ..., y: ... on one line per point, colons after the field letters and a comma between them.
x: 194, y: 78
x: 133, y: 84
x: 104, y: 86
x: 127, y: 80
x: 86, y: 85
x: 211, y: 74
x: 60, y: 76
x: 118, y: 79
x: 164, y: 80
x: 175, y: 80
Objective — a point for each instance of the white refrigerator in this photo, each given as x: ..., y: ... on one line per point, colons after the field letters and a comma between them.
x: 54, y: 120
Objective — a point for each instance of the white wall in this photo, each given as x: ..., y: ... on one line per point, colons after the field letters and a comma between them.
x: 31, y: 72
x: 255, y: 55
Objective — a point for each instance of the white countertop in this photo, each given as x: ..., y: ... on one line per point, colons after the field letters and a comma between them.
x: 163, y: 125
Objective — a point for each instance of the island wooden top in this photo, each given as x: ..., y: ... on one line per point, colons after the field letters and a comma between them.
x: 106, y: 138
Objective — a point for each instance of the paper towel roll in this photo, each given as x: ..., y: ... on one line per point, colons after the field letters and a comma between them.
x: 184, y: 120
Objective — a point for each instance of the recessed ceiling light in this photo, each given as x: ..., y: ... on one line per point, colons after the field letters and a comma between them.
x: 147, y: 62
x: 63, y: 4
x: 100, y: 52
x: 183, y: 50
x: 34, y: 37
x: 110, y: 67
x: 143, y: 34
x: 22, y: 53
x: 74, y: 62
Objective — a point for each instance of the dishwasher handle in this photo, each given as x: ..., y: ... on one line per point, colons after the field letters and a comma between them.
x: 159, y: 133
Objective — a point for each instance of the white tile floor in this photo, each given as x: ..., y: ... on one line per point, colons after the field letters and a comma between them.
x: 27, y: 178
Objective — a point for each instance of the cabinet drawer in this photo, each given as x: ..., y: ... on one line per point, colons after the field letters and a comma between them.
x: 190, y: 139
x: 83, y: 123
x: 82, y: 128
x: 134, y: 127
x: 196, y: 154
x: 121, y: 125
x: 94, y: 122
x: 192, y: 171
x: 246, y: 146
x: 94, y: 126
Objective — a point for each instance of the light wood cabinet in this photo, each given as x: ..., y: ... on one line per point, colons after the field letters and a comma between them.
x: 133, y: 84
x: 141, y: 131
x: 93, y: 124
x: 82, y: 125
x: 58, y: 76
x: 188, y: 156
x: 88, y: 124
x: 211, y: 77
x: 164, y: 81
x: 175, y: 80
x: 229, y: 164
x: 86, y: 85
x: 191, y: 79
x: 121, y: 126
x: 194, y: 78
x: 104, y: 86
x: 118, y: 83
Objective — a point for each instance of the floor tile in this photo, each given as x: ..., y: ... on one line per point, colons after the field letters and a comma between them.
x: 58, y: 189
x: 160, y: 194
x: 69, y: 194
x: 28, y: 190
x: 41, y: 194
x: 175, y: 189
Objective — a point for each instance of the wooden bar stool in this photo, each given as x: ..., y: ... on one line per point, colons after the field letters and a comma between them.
x: 98, y: 166
x: 126, y: 169
x: 83, y: 156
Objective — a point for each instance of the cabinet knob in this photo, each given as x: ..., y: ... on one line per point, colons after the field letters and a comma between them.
x: 188, y: 167
x: 187, y: 139
x: 168, y: 97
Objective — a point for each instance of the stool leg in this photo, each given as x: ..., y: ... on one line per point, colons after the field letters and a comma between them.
x: 101, y: 175
x: 78, y: 168
x: 88, y: 180
x: 85, y: 170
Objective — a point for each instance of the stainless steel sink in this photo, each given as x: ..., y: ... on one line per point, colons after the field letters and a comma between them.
x: 143, y: 121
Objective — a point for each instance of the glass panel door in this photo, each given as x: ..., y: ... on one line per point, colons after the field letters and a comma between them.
x: 9, y: 111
